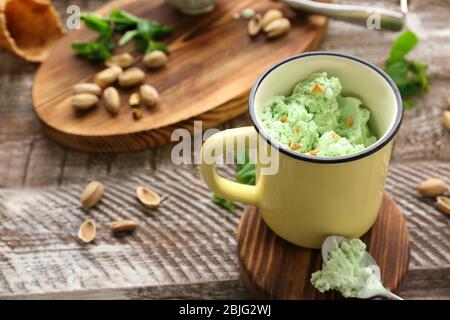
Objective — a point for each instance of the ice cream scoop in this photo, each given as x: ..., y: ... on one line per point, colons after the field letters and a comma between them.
x: 373, y: 286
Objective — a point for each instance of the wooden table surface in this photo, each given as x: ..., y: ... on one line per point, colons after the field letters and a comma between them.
x: 187, y: 247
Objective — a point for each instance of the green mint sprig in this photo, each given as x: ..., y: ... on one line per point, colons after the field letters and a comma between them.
x: 245, y: 174
x: 410, y: 76
x: 144, y: 32
x: 101, y: 48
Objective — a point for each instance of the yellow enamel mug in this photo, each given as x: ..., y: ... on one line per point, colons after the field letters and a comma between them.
x: 310, y: 198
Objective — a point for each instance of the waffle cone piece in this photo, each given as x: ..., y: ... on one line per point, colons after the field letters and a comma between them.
x: 29, y: 28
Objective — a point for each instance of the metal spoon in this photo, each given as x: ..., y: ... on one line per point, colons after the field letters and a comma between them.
x: 389, y: 19
x: 374, y: 287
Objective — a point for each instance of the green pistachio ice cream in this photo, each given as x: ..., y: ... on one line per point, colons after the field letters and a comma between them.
x: 317, y: 120
x: 343, y: 270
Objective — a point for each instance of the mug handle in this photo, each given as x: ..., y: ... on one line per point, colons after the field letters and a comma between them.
x: 226, y: 188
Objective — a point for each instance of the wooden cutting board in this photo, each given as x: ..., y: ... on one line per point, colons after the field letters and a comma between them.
x: 273, y: 268
x: 212, y: 66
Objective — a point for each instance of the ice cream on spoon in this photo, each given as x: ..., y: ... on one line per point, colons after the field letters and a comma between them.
x: 349, y: 269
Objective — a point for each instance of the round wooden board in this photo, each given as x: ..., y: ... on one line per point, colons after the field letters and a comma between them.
x: 273, y: 268
x: 212, y: 66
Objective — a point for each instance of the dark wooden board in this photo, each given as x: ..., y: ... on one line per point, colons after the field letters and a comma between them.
x: 212, y: 66
x: 274, y: 268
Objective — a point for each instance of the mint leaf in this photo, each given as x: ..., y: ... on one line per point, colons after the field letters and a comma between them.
x: 398, y: 71
x: 402, y: 46
x: 245, y: 171
x: 144, y: 28
x: 407, y: 104
x: 144, y: 32
x: 151, y: 30
x: 225, y: 203
x: 154, y: 45
x: 97, y: 23
x: 107, y: 41
x: 420, y: 69
x: 242, y: 158
x: 127, y: 37
x: 245, y: 174
x: 159, y: 31
x: 119, y: 16
x: 410, y: 89
x: 146, y: 46
x: 123, y: 21
x: 101, y: 48
x: 91, y: 50
x: 410, y: 76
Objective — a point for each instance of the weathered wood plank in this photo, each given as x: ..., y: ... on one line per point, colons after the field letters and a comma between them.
x: 40, y: 258
x: 176, y: 243
x: 186, y: 240
x: 432, y: 284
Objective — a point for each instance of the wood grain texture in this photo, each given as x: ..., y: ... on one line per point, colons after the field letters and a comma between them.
x: 187, y: 245
x: 174, y: 244
x: 205, y: 79
x: 31, y: 165
x: 273, y: 268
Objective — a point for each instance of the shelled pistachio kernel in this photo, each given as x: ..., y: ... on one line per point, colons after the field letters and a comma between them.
x: 348, y: 122
x: 137, y: 113
x: 134, y: 100
x: 317, y: 88
x: 294, y: 145
x: 335, y: 136
x: 313, y: 152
